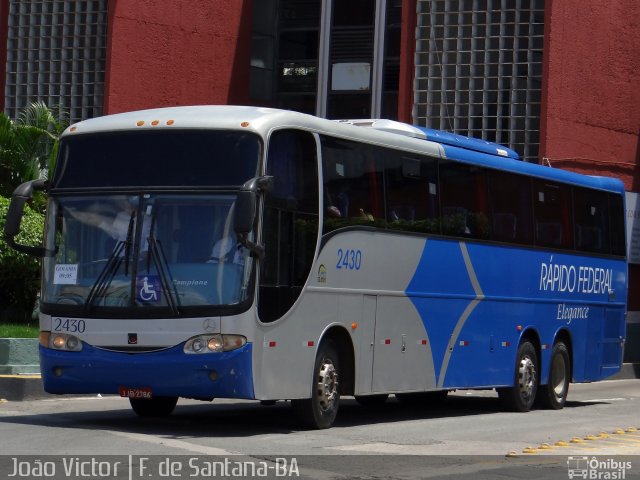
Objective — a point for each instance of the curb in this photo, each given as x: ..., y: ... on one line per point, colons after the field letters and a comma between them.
x: 627, y: 372
x: 22, y: 387
x: 19, y: 356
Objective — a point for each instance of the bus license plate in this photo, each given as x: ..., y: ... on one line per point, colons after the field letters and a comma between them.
x: 135, y: 392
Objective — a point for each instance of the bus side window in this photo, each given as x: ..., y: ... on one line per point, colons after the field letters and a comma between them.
x: 553, y: 215
x: 464, y: 200
x: 591, y: 220
x: 353, y: 181
x: 290, y: 222
x: 411, y: 193
x: 616, y: 225
x: 511, y: 210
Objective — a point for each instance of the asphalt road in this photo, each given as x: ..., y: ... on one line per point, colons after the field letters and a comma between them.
x: 467, y: 437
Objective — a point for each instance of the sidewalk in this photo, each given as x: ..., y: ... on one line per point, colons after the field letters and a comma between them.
x: 29, y: 386
x: 628, y: 371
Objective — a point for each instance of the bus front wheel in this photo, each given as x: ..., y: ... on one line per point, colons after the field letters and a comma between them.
x: 321, y: 409
x: 521, y: 396
x: 153, y: 407
x: 554, y: 394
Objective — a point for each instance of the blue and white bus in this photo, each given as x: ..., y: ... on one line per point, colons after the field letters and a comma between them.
x: 240, y: 252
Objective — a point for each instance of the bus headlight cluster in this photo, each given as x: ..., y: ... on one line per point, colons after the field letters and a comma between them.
x: 214, y: 343
x: 60, y: 341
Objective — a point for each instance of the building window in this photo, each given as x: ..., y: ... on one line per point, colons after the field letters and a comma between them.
x: 328, y: 58
x: 56, y: 54
x: 479, y: 69
x: 284, y: 56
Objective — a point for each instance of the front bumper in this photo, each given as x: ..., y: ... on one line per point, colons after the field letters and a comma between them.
x: 168, y: 372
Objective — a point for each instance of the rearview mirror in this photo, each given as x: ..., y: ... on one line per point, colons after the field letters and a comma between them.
x: 245, y: 211
x: 22, y: 195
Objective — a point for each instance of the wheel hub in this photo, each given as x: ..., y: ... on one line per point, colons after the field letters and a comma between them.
x: 327, y: 385
x: 526, y: 377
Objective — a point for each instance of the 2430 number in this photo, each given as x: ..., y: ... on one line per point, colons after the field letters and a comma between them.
x: 349, y: 259
x: 68, y: 325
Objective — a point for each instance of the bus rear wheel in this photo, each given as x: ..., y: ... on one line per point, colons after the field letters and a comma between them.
x: 554, y: 394
x: 153, y: 407
x: 321, y: 409
x: 521, y: 396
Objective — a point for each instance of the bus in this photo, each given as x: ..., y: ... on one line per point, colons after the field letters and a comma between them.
x: 240, y: 252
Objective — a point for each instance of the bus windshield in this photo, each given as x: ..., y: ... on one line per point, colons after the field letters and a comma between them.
x: 151, y: 250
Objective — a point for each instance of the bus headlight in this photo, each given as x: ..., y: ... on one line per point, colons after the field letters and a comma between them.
x: 60, y: 341
x: 214, y: 343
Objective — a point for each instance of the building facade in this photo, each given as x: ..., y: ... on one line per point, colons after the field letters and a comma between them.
x: 556, y: 80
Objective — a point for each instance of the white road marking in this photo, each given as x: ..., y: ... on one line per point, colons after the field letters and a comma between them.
x: 615, y: 399
x: 172, y: 443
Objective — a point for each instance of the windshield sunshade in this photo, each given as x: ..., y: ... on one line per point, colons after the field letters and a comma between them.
x: 159, y: 158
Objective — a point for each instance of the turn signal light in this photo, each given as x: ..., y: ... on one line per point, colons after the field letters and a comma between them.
x: 60, y: 341
x: 214, y: 343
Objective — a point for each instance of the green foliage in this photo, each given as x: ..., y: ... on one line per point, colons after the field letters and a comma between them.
x: 28, y: 145
x: 12, y: 330
x: 19, y: 273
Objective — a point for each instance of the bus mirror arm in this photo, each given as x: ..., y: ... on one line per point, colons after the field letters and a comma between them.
x: 258, y: 184
x: 21, y: 195
x: 255, y: 249
x: 245, y: 211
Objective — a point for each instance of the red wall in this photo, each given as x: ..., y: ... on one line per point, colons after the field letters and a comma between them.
x: 407, y: 53
x: 181, y: 52
x: 590, y: 117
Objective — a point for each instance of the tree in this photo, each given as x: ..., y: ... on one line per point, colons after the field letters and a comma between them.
x: 28, y: 148
x: 29, y: 144
x: 19, y: 272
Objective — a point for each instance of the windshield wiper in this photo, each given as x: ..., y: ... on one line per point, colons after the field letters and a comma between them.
x: 157, y: 253
x: 129, y: 242
x: 106, y: 276
x: 109, y: 271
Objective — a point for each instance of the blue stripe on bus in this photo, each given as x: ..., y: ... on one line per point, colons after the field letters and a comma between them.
x: 506, y: 298
x: 467, y: 143
x: 531, y: 169
x: 168, y: 372
x: 440, y: 312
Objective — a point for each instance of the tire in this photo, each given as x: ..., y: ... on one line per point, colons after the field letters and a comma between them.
x: 153, y: 407
x: 521, y: 396
x: 320, y: 411
x: 423, y: 399
x: 554, y: 395
x: 372, y: 400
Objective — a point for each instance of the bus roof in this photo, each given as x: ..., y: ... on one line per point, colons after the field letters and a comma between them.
x: 380, y: 132
x: 438, y: 136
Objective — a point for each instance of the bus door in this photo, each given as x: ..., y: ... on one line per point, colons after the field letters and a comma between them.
x: 401, y: 360
x: 607, y: 357
x: 365, y: 341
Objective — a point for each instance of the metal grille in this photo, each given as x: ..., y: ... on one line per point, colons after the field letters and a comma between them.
x: 479, y: 69
x: 56, y: 54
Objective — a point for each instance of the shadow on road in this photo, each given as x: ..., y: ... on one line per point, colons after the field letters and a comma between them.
x: 246, y: 419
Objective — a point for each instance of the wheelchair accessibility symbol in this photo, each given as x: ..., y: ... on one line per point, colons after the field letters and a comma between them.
x: 148, y: 288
